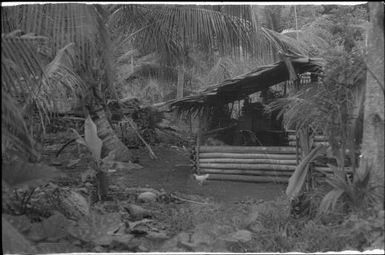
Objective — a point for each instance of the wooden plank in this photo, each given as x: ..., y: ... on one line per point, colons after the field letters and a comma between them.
x: 248, y: 149
x: 328, y: 170
x: 316, y: 138
x: 205, y: 155
x: 246, y: 172
x: 293, y: 143
x: 247, y: 166
x: 245, y: 178
x: 248, y: 161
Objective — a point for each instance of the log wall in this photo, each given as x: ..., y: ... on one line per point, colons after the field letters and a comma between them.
x: 246, y: 163
x: 253, y: 163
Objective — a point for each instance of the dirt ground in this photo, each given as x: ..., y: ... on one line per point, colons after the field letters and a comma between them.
x: 172, y: 172
x: 187, y: 214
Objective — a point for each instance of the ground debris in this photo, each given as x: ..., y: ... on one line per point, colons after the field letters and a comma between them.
x: 137, y: 212
x: 147, y: 196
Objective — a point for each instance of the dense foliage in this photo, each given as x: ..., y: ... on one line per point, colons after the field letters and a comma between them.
x: 94, y: 70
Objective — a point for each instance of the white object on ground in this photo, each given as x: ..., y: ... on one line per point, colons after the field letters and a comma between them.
x: 201, y: 178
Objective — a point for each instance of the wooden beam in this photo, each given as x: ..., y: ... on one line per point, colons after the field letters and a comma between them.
x: 328, y: 170
x: 246, y: 172
x: 316, y: 138
x: 247, y: 161
x: 293, y: 143
x: 245, y: 155
x: 247, y: 166
x: 249, y: 149
x: 243, y: 178
x: 213, y: 131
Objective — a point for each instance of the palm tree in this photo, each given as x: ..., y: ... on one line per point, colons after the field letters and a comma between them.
x: 215, y: 30
x: 27, y: 85
x: 373, y: 138
x: 175, y: 29
x: 84, y: 26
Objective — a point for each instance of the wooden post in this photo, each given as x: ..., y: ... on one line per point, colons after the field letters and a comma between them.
x: 198, y: 145
x: 296, y: 148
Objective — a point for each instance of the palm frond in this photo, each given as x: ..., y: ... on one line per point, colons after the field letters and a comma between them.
x: 329, y: 201
x: 63, y: 23
x: 20, y: 64
x: 306, y: 108
x: 146, y: 66
x: 23, y: 72
x: 25, y: 79
x: 285, y: 43
x: 62, y: 83
x: 175, y: 27
x: 126, y: 56
x: 297, y: 179
x: 14, y: 132
x: 361, y: 193
x: 225, y: 68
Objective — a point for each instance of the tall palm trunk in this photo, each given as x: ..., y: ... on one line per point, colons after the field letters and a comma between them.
x: 180, y: 83
x: 111, y: 141
x: 373, y: 134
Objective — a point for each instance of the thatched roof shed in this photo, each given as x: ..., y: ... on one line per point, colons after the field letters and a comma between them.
x: 246, y: 84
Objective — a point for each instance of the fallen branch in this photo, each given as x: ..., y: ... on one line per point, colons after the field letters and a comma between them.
x: 188, y: 200
x: 65, y: 145
x: 130, y: 121
x: 213, y: 131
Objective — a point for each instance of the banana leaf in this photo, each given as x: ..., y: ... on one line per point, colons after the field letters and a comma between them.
x: 298, y: 178
x: 91, y: 138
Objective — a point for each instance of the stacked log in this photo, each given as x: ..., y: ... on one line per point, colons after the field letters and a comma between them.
x: 246, y: 163
x: 253, y: 163
x: 317, y: 139
x: 319, y: 171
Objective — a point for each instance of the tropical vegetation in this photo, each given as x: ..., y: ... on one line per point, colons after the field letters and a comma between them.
x: 60, y: 58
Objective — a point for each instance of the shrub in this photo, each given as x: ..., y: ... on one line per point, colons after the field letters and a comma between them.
x: 356, y: 196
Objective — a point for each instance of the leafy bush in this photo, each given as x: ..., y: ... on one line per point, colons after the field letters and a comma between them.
x: 355, y: 196
x: 366, y: 232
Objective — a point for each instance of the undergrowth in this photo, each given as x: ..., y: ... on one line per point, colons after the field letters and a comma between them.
x: 184, y: 218
x: 281, y: 232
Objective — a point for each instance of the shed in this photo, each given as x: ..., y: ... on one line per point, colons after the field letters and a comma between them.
x: 260, y: 158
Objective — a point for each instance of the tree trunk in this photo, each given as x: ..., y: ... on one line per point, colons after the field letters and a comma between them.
x: 180, y: 84
x: 107, y: 51
x: 373, y: 133
x: 111, y: 141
